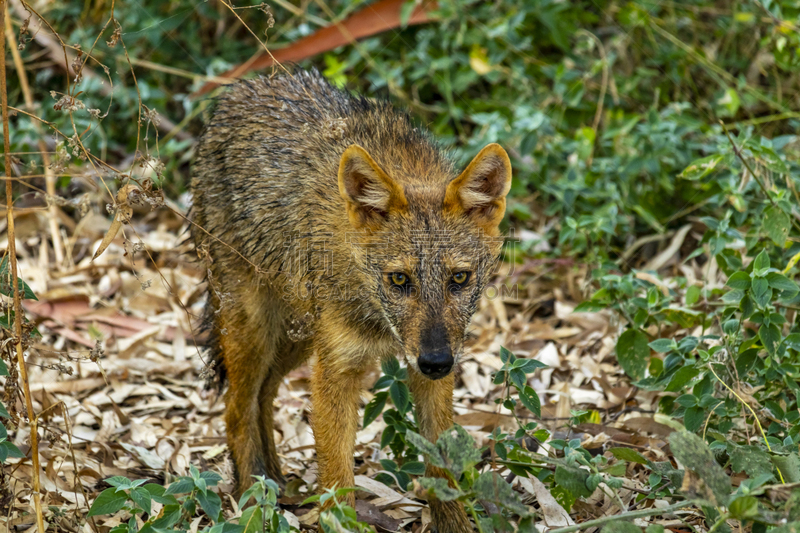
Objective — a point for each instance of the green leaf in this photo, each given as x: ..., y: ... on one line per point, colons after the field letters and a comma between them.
x: 589, y: 306
x: 574, y: 480
x: 224, y: 527
x: 663, y: 345
x: 531, y: 400
x: 9, y: 449
x: 633, y: 353
x: 746, y: 361
x: 789, y: 466
x: 383, y: 382
x: 761, y: 263
x: 776, y: 225
x: 628, y: 454
x: 375, y: 407
x: 780, y: 282
x: 681, y: 377
x: 761, y: 292
x: 701, y: 167
x: 158, y: 494
x: 3, y: 412
x: 751, y: 460
x: 770, y: 337
x: 415, y: 468
x: 739, y: 280
x: 693, y: 418
x: 518, y: 377
x: 212, y: 478
x: 564, y: 497
x: 252, y: 519
x: 426, y: 448
x: 387, y: 436
x: 399, y: 393
x: 687, y: 400
x: 694, y: 454
x: 390, y: 366
x: 439, y: 488
x: 772, y: 160
x: 25, y: 291
x: 457, y: 448
x: 3, y: 368
x: 141, y: 497
x: 211, y: 504
x: 491, y: 487
x: 182, y: 486
x: 685, y: 318
x: 733, y: 296
x: 108, y: 502
x: 529, y: 365
x: 744, y: 508
x: 406, y: 9
x: 693, y: 294
x: 119, y: 481
x: 170, y: 515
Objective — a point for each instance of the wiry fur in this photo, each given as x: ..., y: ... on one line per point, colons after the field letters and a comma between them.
x: 302, y: 232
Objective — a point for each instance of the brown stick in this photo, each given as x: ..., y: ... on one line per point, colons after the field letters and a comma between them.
x: 12, y: 253
x: 50, y: 178
x: 372, y: 19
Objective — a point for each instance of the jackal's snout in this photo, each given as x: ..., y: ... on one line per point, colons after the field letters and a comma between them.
x: 436, y: 359
x: 436, y: 365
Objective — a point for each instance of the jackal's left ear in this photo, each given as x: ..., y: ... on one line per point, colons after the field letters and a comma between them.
x: 369, y: 193
x: 480, y: 191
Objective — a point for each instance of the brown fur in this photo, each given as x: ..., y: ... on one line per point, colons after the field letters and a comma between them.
x: 326, y: 195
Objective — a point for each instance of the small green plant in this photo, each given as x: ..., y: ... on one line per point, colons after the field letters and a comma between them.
x: 514, y: 376
x: 455, y: 452
x: 399, y: 418
x: 338, y: 516
x: 183, y: 499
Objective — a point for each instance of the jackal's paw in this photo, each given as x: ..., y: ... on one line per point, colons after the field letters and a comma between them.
x: 450, y: 517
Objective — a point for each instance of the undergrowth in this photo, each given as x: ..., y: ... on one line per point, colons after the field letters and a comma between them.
x: 634, y: 127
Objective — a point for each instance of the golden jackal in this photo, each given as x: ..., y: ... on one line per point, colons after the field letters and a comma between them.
x: 334, y: 226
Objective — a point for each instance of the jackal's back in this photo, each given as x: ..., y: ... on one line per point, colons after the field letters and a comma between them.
x: 267, y: 163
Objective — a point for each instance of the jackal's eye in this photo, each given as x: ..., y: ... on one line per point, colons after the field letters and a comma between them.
x: 460, y: 278
x: 398, y: 279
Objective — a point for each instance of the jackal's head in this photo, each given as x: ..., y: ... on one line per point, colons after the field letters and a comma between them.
x: 428, y: 244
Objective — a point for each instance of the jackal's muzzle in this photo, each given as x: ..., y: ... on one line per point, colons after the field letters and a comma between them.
x: 436, y: 365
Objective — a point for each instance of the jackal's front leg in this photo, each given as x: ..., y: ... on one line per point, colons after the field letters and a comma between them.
x: 434, y: 403
x: 335, y: 393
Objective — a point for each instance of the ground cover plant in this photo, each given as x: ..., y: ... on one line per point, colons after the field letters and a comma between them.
x: 634, y: 366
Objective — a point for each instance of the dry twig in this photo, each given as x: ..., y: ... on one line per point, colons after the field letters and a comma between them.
x: 12, y: 253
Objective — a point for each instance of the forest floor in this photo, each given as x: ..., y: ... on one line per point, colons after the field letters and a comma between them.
x: 119, y: 375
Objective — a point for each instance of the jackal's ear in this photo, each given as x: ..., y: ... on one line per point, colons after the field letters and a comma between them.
x: 480, y: 191
x: 369, y: 193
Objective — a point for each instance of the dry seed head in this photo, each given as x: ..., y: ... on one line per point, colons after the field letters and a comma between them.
x: 67, y: 103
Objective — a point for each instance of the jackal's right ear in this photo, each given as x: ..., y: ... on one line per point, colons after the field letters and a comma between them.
x: 369, y: 193
x: 480, y: 191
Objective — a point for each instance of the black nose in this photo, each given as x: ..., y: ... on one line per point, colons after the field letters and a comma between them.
x: 436, y: 364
